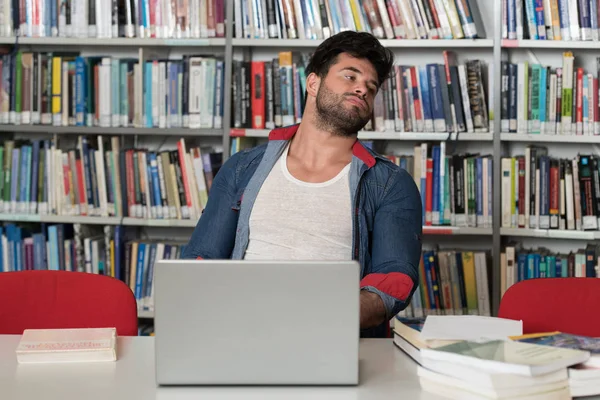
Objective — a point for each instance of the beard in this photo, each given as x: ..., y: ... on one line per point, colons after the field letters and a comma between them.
x: 333, y: 115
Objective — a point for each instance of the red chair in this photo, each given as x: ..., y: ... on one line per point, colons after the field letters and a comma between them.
x: 570, y: 305
x: 61, y: 299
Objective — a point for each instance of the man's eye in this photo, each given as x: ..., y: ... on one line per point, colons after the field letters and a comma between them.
x: 349, y: 77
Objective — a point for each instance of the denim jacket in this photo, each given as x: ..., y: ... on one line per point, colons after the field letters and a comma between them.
x: 386, y: 219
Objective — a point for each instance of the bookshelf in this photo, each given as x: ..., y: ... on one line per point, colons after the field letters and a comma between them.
x: 112, y: 42
x: 94, y: 130
x: 493, y: 49
x: 564, y: 148
x: 391, y: 43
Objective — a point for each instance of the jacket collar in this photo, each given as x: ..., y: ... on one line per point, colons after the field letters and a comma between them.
x: 358, y: 150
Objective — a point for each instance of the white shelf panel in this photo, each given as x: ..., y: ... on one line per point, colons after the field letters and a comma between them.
x: 60, y: 219
x: 526, y: 137
x: 455, y: 230
x: 121, y: 42
x: 550, y: 44
x: 169, y: 223
x: 386, y: 135
x: 149, y: 314
x: 96, y: 130
x: 390, y: 43
x: 550, y: 233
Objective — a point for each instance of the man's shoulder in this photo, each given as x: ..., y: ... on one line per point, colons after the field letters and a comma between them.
x: 390, y: 175
x: 246, y: 157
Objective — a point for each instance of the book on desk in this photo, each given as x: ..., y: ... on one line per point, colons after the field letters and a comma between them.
x: 464, y: 376
x: 67, y: 345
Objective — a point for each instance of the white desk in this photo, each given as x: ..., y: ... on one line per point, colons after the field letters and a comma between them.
x: 385, y: 373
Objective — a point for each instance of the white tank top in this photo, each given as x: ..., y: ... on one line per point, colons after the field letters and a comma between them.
x: 296, y: 220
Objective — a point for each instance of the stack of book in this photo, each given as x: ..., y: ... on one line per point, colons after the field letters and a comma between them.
x: 448, y: 97
x: 498, y: 369
x: 539, y: 191
x: 584, y: 378
x: 543, y: 366
x: 400, y: 19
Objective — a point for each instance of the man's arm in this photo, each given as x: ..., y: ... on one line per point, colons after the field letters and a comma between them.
x: 214, y: 235
x: 372, y: 310
x: 396, y: 246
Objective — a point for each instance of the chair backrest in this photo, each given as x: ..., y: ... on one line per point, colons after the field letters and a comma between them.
x: 570, y: 305
x: 61, y: 299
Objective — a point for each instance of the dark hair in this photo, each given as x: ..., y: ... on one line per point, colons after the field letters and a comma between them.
x: 355, y: 44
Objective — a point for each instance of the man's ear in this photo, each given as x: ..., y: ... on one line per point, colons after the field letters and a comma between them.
x: 312, y: 84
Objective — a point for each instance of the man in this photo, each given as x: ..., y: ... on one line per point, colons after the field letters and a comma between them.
x: 316, y: 193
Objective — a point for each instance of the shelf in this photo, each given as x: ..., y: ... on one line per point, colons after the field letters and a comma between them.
x: 170, y: 223
x: 525, y: 137
x: 387, y: 135
x: 60, y: 219
x: 390, y: 43
x: 96, y: 130
x: 148, y: 314
x: 120, y: 42
x: 550, y: 233
x: 455, y: 230
x: 550, y: 44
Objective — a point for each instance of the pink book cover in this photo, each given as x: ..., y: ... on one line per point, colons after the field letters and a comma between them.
x: 67, y: 345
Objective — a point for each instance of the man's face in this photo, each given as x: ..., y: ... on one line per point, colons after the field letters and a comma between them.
x: 346, y: 95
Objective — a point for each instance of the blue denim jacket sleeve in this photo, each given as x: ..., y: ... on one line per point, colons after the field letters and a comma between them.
x: 214, y: 235
x: 396, y: 244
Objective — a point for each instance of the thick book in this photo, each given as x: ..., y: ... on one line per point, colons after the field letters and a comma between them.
x: 67, y: 345
x: 566, y: 341
x: 508, y: 357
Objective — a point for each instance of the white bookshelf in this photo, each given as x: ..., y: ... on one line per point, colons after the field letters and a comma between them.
x: 97, y: 130
x: 169, y: 223
x: 113, y: 42
x: 583, y: 139
x: 456, y: 230
x: 386, y: 135
x: 60, y: 219
x: 550, y: 44
x: 391, y: 43
x: 550, y: 233
x: 492, y: 50
x: 146, y: 314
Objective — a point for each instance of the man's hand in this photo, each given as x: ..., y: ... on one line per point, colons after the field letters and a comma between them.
x: 372, y: 310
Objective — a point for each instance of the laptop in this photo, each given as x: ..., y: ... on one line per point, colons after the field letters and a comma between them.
x: 256, y: 323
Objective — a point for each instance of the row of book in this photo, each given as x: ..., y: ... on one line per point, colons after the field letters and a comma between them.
x: 456, y: 190
x: 389, y: 19
x: 447, y: 97
x: 540, y: 191
x: 452, y: 282
x: 518, y: 264
x: 66, y: 247
x: 111, y: 19
x: 64, y: 89
x: 103, y: 251
x: 554, y: 101
x: 551, y: 19
x: 99, y: 178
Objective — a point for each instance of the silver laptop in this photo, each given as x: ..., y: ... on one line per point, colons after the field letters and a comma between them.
x: 256, y: 323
